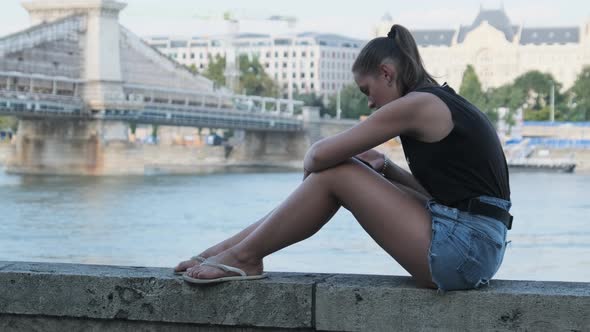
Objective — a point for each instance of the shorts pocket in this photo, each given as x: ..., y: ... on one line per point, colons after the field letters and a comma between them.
x: 482, y: 261
x: 442, y: 229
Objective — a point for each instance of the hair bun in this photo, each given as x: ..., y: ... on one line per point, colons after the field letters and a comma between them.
x: 392, y: 33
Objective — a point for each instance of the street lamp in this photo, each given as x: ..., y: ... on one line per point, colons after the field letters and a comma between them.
x: 552, y: 115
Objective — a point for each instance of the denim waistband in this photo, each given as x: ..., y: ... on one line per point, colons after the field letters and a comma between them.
x: 474, y: 221
x: 499, y: 202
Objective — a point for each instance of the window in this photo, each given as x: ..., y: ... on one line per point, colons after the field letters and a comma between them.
x: 178, y: 43
x: 276, y: 54
x: 192, y: 55
x: 284, y: 65
x: 302, y: 75
x: 303, y: 54
x: 311, y: 64
x: 286, y: 54
x: 267, y: 65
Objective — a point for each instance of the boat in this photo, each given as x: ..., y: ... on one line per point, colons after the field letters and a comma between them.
x: 542, y: 164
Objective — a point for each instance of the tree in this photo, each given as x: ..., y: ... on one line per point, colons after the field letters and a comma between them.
x: 215, y: 70
x: 352, y: 102
x: 8, y: 122
x: 471, y: 90
x: 535, y: 88
x: 311, y: 99
x: 505, y: 96
x: 580, y: 96
x: 193, y: 68
x: 254, y: 80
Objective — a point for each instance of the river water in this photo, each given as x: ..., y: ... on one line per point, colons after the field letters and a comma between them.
x: 160, y: 220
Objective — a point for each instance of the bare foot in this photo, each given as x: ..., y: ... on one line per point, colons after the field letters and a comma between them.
x: 227, y: 257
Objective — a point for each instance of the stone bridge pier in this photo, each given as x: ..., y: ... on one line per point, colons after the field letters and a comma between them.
x: 60, y: 146
x: 252, y: 146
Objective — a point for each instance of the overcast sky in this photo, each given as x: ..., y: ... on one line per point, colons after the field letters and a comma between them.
x: 351, y: 18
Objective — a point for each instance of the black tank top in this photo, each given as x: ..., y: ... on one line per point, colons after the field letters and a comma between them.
x: 467, y: 163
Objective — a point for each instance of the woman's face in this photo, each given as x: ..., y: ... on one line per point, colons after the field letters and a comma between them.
x: 380, y: 88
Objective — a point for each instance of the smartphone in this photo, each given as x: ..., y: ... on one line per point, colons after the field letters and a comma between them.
x: 364, y: 162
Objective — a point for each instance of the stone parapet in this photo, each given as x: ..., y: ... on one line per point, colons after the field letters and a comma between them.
x: 95, y: 297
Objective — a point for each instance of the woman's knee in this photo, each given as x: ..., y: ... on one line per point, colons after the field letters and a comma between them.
x: 345, y: 166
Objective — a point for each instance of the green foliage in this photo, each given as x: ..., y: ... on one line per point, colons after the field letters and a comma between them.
x: 215, y: 70
x: 471, y: 90
x: 311, y: 99
x: 155, y: 131
x: 352, y: 102
x: 580, y: 96
x: 537, y: 115
x: 193, y: 68
x: 530, y: 92
x: 536, y: 88
x: 133, y: 127
x: 254, y: 80
x: 8, y: 122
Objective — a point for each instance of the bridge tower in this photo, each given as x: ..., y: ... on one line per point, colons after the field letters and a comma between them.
x: 101, y: 70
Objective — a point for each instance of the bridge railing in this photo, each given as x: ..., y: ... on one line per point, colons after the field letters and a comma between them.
x: 39, y: 105
x: 160, y: 95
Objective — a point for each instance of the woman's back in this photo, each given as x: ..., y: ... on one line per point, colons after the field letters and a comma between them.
x: 467, y: 163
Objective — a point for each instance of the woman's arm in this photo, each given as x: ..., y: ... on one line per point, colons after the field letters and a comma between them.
x: 413, y: 114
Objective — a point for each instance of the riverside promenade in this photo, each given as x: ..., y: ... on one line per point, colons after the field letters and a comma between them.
x: 72, y: 297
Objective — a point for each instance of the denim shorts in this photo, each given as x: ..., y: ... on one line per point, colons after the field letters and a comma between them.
x: 466, y: 249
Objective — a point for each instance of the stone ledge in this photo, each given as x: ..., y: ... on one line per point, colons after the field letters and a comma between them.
x: 124, y: 298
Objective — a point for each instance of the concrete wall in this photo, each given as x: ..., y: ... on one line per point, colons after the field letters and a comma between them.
x: 51, y: 297
x: 123, y: 159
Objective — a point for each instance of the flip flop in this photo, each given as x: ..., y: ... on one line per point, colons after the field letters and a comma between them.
x: 199, y: 259
x: 226, y: 268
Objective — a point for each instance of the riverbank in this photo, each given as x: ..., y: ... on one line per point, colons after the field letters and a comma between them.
x: 119, y: 159
x: 134, y: 159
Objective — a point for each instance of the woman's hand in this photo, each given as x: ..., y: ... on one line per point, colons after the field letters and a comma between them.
x: 374, y: 158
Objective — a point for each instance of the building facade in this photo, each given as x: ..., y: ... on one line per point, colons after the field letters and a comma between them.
x: 306, y: 62
x: 501, y: 51
x: 321, y: 63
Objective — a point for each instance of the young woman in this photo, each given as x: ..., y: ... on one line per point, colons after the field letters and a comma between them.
x: 445, y: 222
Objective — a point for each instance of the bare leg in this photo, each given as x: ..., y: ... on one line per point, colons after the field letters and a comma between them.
x: 237, y: 238
x: 395, y: 219
x: 224, y: 245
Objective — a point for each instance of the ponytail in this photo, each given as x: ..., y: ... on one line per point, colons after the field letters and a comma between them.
x: 400, y: 48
